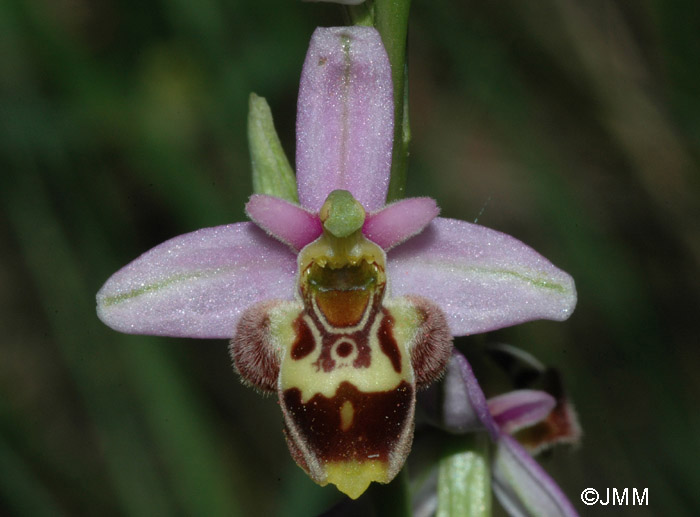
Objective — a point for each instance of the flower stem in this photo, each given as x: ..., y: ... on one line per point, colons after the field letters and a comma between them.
x: 464, y: 482
x: 390, y: 18
x: 361, y: 14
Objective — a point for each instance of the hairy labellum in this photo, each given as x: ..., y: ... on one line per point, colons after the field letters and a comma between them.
x: 347, y: 361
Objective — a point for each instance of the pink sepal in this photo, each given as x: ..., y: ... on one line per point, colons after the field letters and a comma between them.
x: 482, y: 279
x: 345, y: 118
x: 198, y: 284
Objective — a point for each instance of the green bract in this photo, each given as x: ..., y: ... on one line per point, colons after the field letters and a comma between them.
x: 272, y: 174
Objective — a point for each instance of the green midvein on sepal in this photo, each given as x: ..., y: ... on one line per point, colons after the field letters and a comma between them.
x: 272, y: 173
x: 539, y: 282
x: 464, y: 479
x: 157, y: 286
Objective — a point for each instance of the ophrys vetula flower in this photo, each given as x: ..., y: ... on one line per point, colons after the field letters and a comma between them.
x: 340, y: 304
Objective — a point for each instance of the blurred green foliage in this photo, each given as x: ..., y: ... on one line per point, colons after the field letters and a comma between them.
x: 573, y: 125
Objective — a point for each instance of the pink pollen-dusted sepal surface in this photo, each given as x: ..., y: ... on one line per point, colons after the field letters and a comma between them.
x: 398, y: 222
x: 482, y: 279
x: 283, y: 220
x: 345, y: 118
x: 198, y: 284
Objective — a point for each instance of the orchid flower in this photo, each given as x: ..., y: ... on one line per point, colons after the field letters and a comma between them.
x: 341, y: 305
x: 520, y: 484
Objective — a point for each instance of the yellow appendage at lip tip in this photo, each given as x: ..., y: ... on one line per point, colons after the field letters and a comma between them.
x: 353, y: 477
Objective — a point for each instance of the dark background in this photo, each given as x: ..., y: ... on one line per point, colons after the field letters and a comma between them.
x: 573, y: 125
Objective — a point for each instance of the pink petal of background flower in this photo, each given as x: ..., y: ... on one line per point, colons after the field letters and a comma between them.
x: 464, y: 406
x: 521, y: 408
x: 523, y: 487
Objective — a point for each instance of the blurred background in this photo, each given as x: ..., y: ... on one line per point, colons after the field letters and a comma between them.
x: 573, y: 125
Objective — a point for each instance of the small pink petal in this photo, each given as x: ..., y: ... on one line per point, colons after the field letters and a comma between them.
x: 521, y: 408
x: 400, y: 221
x: 482, y: 279
x: 198, y: 284
x: 523, y: 487
x: 345, y: 118
x: 283, y: 220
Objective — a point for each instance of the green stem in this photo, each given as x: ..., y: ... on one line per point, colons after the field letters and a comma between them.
x: 464, y: 482
x: 361, y: 14
x: 391, y: 20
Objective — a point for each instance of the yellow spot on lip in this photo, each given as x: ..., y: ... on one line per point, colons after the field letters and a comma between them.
x: 346, y: 414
